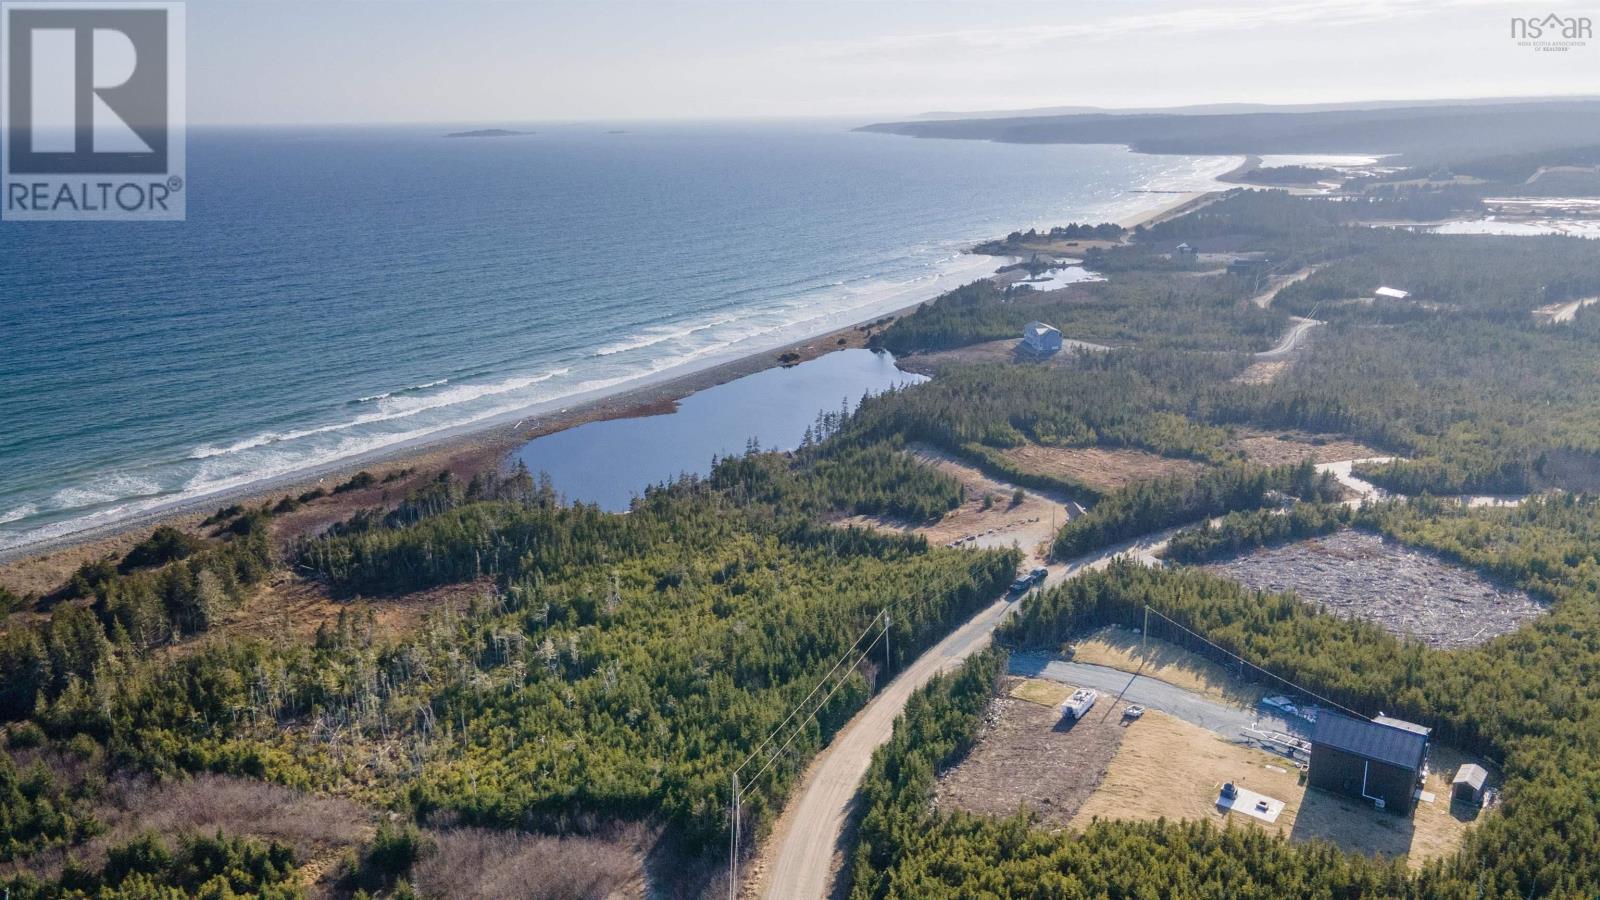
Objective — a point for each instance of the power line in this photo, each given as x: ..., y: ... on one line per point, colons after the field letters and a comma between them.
x: 781, y: 750
x: 736, y: 793
x: 1243, y: 661
x: 738, y: 790
x: 801, y: 705
x: 893, y: 606
x: 883, y: 635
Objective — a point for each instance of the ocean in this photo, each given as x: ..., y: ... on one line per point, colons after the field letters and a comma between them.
x: 339, y: 292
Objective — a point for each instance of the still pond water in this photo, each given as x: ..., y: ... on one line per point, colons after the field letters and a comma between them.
x: 609, y: 463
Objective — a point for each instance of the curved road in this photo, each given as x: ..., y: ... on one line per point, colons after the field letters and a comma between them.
x: 799, y: 856
x: 801, y: 850
x: 1291, y: 340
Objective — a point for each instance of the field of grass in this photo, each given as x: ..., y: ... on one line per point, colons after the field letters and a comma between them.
x: 1122, y: 649
x: 1168, y: 768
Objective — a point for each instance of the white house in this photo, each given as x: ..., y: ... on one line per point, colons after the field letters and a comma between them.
x: 1041, y: 339
x: 1389, y: 293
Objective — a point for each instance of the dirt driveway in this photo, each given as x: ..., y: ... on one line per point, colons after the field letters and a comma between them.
x: 1265, y: 299
x: 989, y: 518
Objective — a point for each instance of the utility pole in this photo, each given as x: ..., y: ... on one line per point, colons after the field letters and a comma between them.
x: 1144, y: 635
x: 886, y: 663
x: 733, y: 842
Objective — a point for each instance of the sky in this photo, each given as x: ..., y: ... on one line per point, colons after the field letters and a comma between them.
x: 515, y: 61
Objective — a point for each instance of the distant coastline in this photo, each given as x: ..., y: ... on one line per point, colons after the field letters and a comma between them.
x: 488, y: 133
x: 1429, y: 132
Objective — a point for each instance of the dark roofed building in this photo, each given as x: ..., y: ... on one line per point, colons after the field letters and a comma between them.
x: 1041, y: 339
x: 1248, y: 266
x: 1380, y: 761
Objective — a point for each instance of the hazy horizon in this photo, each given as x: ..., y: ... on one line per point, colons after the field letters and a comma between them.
x: 404, y: 62
x: 892, y: 116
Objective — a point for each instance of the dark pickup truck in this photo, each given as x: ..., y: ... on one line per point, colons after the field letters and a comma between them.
x: 1021, y: 585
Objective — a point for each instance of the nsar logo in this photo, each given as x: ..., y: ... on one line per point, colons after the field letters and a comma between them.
x: 1552, y: 32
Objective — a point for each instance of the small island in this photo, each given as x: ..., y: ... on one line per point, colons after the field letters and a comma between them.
x: 488, y: 133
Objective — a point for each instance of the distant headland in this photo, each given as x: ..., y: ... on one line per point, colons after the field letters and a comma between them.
x: 487, y: 133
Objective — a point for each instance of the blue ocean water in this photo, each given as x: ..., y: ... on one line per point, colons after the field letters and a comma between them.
x: 338, y: 292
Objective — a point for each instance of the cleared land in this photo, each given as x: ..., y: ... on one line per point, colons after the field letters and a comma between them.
x: 1027, y: 524
x: 1262, y: 371
x: 1100, y: 467
x: 1557, y: 313
x: 291, y: 608
x: 1122, y: 649
x: 1269, y: 448
x: 475, y: 864
x: 1007, y: 350
x: 1410, y: 593
x: 1170, y: 768
x: 1173, y: 767
x: 320, y: 829
x: 1028, y: 757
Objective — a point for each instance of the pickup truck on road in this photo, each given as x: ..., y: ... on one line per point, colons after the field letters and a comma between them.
x: 1024, y: 583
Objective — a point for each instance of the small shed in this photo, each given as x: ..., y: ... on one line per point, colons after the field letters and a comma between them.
x: 1185, y: 249
x: 1389, y: 293
x: 1469, y: 783
x: 1380, y: 761
x: 1041, y: 339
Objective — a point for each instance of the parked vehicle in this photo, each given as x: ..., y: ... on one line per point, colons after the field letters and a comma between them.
x: 1025, y: 583
x: 1078, y: 704
x: 1133, y: 712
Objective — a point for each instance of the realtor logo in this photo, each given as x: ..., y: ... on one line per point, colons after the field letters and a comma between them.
x: 92, y: 102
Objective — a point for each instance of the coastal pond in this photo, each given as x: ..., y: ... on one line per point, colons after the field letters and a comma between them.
x: 609, y: 463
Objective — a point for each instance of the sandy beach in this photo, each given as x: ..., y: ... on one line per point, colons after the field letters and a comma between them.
x: 40, y: 567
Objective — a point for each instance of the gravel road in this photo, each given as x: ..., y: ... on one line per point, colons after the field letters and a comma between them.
x: 798, y: 862
x: 1291, y: 339
x: 1214, y: 715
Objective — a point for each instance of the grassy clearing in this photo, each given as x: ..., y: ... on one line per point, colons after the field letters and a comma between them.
x: 1042, y: 692
x: 1274, y: 448
x: 1121, y: 649
x: 1168, y: 768
x: 1102, y: 468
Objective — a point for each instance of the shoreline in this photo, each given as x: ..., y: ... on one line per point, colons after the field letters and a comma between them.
x: 478, y: 446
